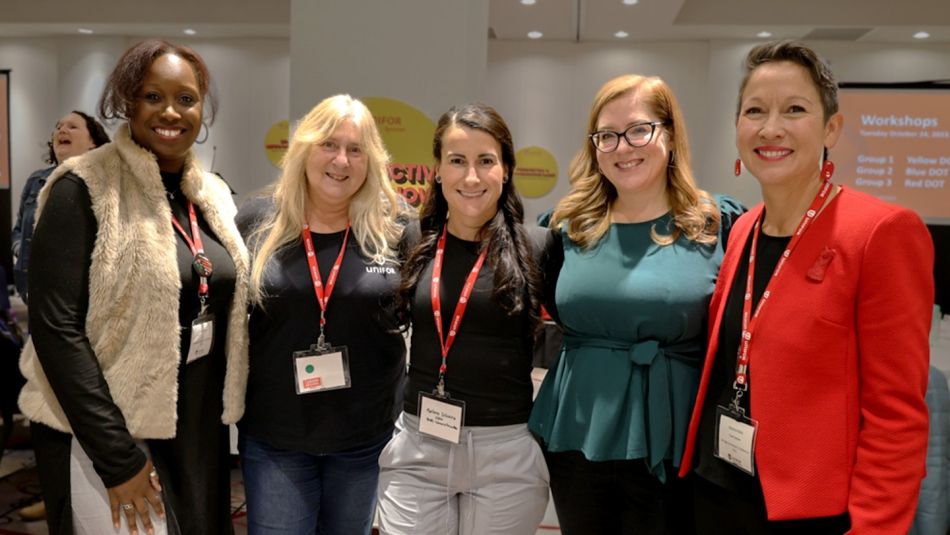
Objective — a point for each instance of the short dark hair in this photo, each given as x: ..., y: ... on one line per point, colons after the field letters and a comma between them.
x: 118, y: 97
x: 799, y: 54
x: 96, y: 132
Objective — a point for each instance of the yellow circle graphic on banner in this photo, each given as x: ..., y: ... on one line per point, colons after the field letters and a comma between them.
x: 275, y: 142
x: 536, y: 172
x: 407, y: 134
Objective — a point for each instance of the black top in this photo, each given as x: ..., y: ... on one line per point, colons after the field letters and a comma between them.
x: 61, y: 256
x: 360, y: 316
x: 720, y: 391
x: 489, y: 365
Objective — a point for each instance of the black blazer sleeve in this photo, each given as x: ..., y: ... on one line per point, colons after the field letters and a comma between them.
x: 59, y: 299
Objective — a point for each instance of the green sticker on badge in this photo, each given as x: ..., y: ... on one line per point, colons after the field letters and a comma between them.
x: 309, y: 368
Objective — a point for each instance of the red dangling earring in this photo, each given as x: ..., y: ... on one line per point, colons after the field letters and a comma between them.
x: 827, y: 169
x: 738, y: 166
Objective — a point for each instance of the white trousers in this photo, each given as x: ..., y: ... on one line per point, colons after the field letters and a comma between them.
x: 494, y: 482
x: 90, y: 499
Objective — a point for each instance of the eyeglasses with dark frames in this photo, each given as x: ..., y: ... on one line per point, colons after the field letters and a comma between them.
x: 637, y: 135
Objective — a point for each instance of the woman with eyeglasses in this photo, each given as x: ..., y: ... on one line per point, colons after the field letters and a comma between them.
x: 642, y: 246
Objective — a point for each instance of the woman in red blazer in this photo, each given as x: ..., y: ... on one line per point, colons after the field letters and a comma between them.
x: 810, y: 416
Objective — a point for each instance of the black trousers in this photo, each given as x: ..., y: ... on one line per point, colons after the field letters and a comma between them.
x: 719, y: 510
x: 52, y: 467
x: 617, y: 497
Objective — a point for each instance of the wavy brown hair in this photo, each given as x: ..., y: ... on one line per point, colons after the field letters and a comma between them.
x: 517, y: 286
x: 585, y: 211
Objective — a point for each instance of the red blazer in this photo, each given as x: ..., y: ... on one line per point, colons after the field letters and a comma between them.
x: 838, y: 366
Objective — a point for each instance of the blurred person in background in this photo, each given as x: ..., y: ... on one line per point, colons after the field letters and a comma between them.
x: 75, y: 133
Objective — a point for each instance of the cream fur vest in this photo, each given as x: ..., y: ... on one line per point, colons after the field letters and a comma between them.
x: 134, y: 289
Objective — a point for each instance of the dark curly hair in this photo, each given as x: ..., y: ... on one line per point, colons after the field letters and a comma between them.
x: 118, y: 97
x: 96, y: 132
x: 517, y: 286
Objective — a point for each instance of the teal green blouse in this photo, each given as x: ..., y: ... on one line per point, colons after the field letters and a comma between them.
x: 634, y: 319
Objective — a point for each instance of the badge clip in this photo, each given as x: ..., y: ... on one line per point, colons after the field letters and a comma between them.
x: 321, y: 344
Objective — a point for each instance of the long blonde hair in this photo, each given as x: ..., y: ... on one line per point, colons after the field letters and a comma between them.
x: 373, y: 209
x: 585, y: 210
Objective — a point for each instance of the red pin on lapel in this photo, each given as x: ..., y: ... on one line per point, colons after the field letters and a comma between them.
x: 816, y: 273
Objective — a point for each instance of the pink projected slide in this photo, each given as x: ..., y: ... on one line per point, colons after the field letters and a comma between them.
x: 896, y: 146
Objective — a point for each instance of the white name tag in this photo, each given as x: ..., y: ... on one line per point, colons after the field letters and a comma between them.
x: 202, y: 337
x: 317, y: 371
x: 735, y: 439
x: 441, y: 418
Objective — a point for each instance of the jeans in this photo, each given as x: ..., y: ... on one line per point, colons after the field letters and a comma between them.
x: 290, y: 492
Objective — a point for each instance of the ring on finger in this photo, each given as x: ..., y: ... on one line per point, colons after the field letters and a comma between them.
x: 126, y: 506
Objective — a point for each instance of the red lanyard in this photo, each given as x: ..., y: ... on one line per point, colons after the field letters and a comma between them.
x: 446, y: 343
x: 750, y: 319
x: 201, y: 263
x: 323, y: 293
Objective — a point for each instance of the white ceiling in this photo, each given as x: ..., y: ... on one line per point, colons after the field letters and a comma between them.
x: 880, y: 21
x: 140, y: 18
x: 666, y: 20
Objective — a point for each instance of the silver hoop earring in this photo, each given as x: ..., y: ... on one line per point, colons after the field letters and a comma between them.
x: 207, y: 133
x: 438, y: 179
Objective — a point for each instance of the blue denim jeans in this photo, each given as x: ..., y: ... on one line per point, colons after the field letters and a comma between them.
x: 290, y: 492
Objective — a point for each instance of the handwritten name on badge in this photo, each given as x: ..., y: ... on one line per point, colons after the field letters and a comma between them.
x: 440, y: 419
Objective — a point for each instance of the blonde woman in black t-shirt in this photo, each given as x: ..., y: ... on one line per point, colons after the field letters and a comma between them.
x: 326, y: 356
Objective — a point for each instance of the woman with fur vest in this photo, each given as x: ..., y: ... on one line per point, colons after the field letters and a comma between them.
x: 138, y: 302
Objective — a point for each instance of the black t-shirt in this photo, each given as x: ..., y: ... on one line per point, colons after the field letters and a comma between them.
x: 489, y: 364
x: 360, y: 316
x: 720, y: 391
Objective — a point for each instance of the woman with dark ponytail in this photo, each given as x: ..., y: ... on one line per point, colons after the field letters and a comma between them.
x: 463, y: 460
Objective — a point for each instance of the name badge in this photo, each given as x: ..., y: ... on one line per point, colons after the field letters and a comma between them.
x: 319, y: 370
x: 441, y: 417
x: 735, y: 439
x: 202, y: 337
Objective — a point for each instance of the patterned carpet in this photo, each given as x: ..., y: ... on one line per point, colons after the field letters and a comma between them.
x: 19, y: 487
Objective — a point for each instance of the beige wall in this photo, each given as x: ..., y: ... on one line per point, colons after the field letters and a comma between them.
x: 543, y: 89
